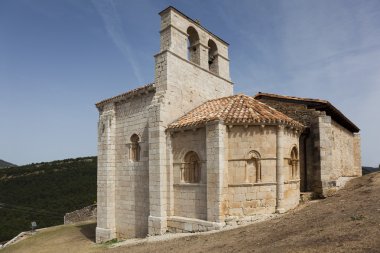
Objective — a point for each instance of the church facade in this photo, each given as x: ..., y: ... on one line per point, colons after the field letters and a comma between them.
x: 184, y: 154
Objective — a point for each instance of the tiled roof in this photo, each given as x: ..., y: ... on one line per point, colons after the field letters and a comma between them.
x: 138, y: 91
x: 317, y: 104
x: 237, y: 109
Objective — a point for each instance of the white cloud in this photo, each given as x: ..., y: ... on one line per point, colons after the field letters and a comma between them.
x: 332, y: 52
x: 114, y: 27
x: 321, y: 49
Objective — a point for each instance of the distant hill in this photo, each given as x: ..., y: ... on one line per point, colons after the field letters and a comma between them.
x: 44, y: 192
x: 4, y: 164
x: 366, y: 170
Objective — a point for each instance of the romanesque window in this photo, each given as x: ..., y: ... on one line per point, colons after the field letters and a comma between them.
x: 212, y: 57
x: 134, y: 152
x: 191, y: 169
x: 253, y: 167
x: 193, y: 45
x: 293, y: 162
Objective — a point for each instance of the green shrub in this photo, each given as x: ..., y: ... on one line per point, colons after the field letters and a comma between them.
x: 44, y: 192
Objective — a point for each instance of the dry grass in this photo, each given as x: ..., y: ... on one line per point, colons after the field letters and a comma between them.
x: 66, y: 238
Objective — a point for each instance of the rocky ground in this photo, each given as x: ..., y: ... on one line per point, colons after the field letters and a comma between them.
x: 349, y: 221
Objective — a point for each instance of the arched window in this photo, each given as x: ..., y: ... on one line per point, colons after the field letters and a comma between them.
x: 253, y: 167
x: 293, y: 162
x: 191, y: 169
x: 134, y: 152
x: 193, y: 45
x: 212, y: 57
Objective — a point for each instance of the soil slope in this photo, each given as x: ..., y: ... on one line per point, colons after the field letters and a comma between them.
x: 349, y: 221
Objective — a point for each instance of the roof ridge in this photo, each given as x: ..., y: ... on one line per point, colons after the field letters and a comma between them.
x: 291, y: 97
x: 125, y: 94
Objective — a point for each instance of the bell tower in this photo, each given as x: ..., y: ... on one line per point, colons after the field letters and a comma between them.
x: 192, y: 62
x: 191, y: 68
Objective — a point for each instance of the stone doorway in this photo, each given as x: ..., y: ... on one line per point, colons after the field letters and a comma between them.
x: 305, y: 158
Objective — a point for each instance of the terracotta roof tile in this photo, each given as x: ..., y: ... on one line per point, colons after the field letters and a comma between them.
x: 139, y: 90
x: 237, y: 109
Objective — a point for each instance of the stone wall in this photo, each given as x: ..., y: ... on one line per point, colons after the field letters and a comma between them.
x: 357, y: 154
x: 106, y: 228
x: 183, y: 84
x: 216, y: 144
x: 329, y: 153
x: 291, y: 184
x: 246, y: 195
x: 343, y: 158
x: 306, y: 150
x: 253, y: 138
x: 185, y: 225
x: 192, y: 85
x: 189, y: 199
x: 123, y: 196
x: 132, y: 188
x: 337, y: 150
x: 308, y: 144
x: 84, y: 214
x: 250, y: 199
x: 174, y: 27
x: 291, y: 194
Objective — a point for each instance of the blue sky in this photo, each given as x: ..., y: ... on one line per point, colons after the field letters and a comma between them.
x: 59, y: 57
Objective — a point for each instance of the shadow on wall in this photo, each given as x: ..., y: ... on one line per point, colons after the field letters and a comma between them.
x: 141, y: 202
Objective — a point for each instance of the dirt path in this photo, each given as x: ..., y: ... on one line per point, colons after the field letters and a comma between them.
x: 346, y: 222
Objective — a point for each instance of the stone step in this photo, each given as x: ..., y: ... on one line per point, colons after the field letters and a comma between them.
x: 307, y: 196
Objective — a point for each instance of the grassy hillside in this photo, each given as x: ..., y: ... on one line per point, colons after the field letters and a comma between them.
x: 44, y: 192
x: 366, y: 170
x: 5, y: 164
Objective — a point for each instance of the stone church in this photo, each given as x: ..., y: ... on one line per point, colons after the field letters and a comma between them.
x: 185, y: 154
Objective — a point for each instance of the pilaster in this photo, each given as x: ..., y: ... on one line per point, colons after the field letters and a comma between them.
x: 106, y: 229
x: 215, y: 150
x: 357, y: 154
x: 157, y: 223
x: 223, y: 67
x: 170, y: 211
x: 203, y: 57
x: 280, y: 170
x: 325, y: 152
